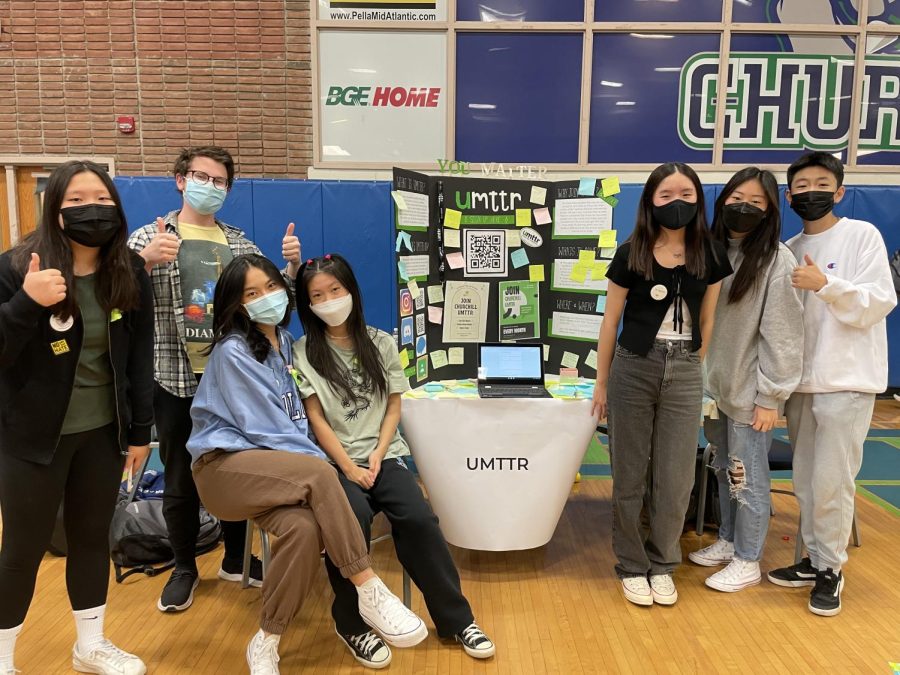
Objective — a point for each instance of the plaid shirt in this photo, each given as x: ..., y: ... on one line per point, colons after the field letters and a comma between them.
x: 171, y: 365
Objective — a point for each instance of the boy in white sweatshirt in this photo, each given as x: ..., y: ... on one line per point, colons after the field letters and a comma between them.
x: 847, y: 291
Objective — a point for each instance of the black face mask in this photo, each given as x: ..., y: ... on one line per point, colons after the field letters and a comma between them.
x: 91, y: 225
x: 675, y: 215
x: 812, y: 205
x: 742, y: 216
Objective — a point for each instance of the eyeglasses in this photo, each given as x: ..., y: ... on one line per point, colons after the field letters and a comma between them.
x: 202, y: 178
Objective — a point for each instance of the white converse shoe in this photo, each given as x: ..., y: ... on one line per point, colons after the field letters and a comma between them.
x: 384, y: 612
x: 262, y: 654
x: 719, y: 553
x: 662, y: 587
x: 107, y: 659
x: 736, y: 577
x: 637, y: 590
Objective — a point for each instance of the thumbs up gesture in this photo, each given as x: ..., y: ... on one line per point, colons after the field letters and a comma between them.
x: 163, y: 248
x: 45, y: 287
x: 808, y: 277
x: 290, y: 248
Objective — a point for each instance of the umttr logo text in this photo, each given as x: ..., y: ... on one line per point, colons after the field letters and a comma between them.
x: 384, y: 97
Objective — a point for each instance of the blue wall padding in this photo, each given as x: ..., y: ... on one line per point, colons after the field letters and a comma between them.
x: 355, y: 219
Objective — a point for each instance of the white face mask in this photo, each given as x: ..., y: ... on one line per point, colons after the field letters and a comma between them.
x: 334, y: 312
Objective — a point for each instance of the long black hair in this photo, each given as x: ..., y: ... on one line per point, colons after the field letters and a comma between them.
x: 320, y: 355
x: 116, y: 286
x: 646, y: 231
x: 760, y: 245
x: 228, y: 304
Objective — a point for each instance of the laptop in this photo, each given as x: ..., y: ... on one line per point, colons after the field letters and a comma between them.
x: 511, y: 370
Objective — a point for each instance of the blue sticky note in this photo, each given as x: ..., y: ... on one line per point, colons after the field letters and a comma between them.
x: 519, y: 258
x: 399, y: 242
x: 407, y: 240
x: 586, y: 187
x: 601, y: 304
x: 401, y: 267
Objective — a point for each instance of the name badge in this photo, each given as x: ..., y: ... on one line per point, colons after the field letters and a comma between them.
x: 659, y: 292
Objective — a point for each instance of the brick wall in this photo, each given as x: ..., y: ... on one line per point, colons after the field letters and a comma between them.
x: 234, y: 73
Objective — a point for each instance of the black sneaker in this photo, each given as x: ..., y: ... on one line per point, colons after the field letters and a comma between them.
x: 367, y: 648
x: 232, y: 569
x: 178, y: 593
x: 801, y: 574
x: 475, y: 642
x: 825, y: 599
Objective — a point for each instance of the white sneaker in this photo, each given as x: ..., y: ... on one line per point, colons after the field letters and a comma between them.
x: 107, y: 659
x: 262, y: 654
x: 637, y: 590
x: 662, y: 587
x: 736, y: 577
x: 384, y: 612
x: 719, y: 553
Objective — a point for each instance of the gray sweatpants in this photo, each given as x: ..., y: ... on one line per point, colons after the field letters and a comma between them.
x: 827, y: 434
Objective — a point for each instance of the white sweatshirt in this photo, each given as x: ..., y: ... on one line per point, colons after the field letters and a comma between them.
x: 845, y: 333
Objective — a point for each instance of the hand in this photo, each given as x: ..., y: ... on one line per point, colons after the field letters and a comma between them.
x: 163, y: 248
x: 808, y: 277
x: 764, y: 419
x: 599, y: 408
x: 45, y: 287
x: 375, y: 464
x: 290, y: 248
x: 137, y: 455
x: 360, y: 476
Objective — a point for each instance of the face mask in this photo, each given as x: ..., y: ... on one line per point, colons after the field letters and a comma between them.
x: 334, y: 312
x: 91, y: 225
x: 269, y: 309
x: 812, y: 205
x: 205, y: 199
x: 675, y: 215
x: 741, y: 216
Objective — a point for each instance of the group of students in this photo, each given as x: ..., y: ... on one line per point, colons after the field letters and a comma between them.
x: 98, y: 341
x: 796, y: 327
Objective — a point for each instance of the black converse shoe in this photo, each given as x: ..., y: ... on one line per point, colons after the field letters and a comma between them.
x: 367, y: 648
x: 178, y: 593
x: 801, y: 574
x: 475, y: 642
x: 825, y: 599
x: 232, y: 569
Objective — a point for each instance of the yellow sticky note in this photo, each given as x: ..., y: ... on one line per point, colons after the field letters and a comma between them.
x: 569, y: 360
x: 523, y: 217
x: 115, y: 315
x: 398, y: 200
x: 414, y: 289
x: 452, y: 218
x: 457, y: 356
x: 538, y: 195
x: 451, y: 238
x: 598, y: 271
x: 586, y: 256
x: 579, y: 273
x: 535, y: 272
x: 591, y: 359
x: 610, y: 186
x: 607, y: 239
x: 404, y: 359
x: 513, y: 239
x: 438, y: 359
x: 546, y: 352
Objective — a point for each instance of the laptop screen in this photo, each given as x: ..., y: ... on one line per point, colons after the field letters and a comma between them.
x: 511, y: 363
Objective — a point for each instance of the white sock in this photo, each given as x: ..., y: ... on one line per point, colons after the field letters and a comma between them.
x: 89, y: 628
x: 269, y: 636
x: 8, y: 646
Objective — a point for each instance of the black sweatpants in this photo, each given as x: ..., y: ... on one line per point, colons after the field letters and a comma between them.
x: 181, y: 503
x: 85, y: 472
x: 420, y: 546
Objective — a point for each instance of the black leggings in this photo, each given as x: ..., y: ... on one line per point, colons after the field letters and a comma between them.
x: 85, y: 472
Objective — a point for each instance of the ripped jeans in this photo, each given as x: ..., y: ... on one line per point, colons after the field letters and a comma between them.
x: 741, y: 462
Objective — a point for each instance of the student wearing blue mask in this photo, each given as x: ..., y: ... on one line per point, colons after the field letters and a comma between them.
x: 253, y: 458
x: 185, y: 252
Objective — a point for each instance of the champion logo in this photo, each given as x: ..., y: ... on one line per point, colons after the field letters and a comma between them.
x: 831, y: 266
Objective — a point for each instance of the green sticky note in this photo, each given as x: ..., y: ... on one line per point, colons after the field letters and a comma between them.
x: 523, y: 217
x: 598, y: 270
x: 579, y: 273
x: 586, y: 256
x: 591, y: 359
x: 610, y: 186
x: 569, y: 360
x: 519, y: 258
x: 404, y: 359
x: 435, y: 294
x: 607, y: 239
x: 452, y: 218
x: 409, y: 372
x: 457, y: 356
x: 438, y: 359
x: 535, y: 272
x: 612, y: 201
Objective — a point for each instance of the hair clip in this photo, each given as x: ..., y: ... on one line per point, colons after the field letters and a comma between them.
x: 327, y: 256
x: 309, y: 262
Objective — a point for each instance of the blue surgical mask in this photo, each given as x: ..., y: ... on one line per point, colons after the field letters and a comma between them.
x: 269, y: 309
x: 204, y: 198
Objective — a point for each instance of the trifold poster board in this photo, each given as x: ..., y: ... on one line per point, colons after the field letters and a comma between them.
x: 497, y: 260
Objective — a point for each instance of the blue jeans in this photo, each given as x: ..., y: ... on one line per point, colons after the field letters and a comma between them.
x: 741, y: 463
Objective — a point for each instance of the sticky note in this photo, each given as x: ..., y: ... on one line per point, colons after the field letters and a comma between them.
x: 435, y: 314
x: 404, y: 358
x: 457, y: 356
x: 569, y: 360
x: 407, y: 240
x: 398, y: 200
x: 409, y: 372
x: 523, y: 217
x: 612, y: 201
x: 607, y: 239
x: 586, y: 256
x: 586, y: 187
x: 535, y: 272
x: 610, y: 186
x: 519, y: 258
x: 438, y: 359
x: 399, y: 242
x: 401, y: 268
x: 598, y: 271
x: 542, y: 216
x: 601, y: 304
x: 452, y: 218
x: 435, y: 294
x: 569, y: 375
x: 538, y: 195
x: 115, y: 315
x: 455, y: 260
x: 546, y: 352
x: 607, y: 252
x: 513, y: 239
x: 579, y: 273
x: 591, y: 359
x: 451, y: 238
x: 414, y: 289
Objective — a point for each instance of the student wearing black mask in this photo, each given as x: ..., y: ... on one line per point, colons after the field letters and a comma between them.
x: 754, y: 364
x: 664, y: 282
x: 76, y: 389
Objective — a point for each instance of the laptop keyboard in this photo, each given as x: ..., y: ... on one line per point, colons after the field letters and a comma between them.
x: 512, y: 391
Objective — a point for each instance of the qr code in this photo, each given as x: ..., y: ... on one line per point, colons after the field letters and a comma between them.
x: 420, y: 324
x: 486, y: 253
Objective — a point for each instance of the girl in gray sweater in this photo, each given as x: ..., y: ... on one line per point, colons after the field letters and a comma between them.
x: 754, y: 363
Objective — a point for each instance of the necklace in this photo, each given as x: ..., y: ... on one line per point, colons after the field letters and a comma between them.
x: 337, y: 337
x: 679, y: 254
